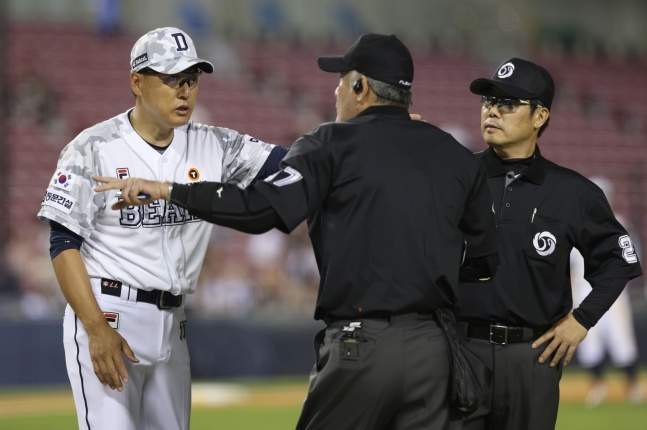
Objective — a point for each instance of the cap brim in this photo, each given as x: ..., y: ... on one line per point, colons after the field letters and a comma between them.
x: 484, y: 87
x: 205, y: 66
x: 182, y: 65
x: 333, y: 64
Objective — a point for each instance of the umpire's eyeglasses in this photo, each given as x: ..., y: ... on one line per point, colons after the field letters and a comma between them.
x: 506, y: 105
x: 176, y: 81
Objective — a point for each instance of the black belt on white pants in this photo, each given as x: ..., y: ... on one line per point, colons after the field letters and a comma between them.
x: 162, y: 299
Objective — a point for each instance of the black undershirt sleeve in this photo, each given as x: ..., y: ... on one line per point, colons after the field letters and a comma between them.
x: 599, y: 301
x: 229, y: 206
x: 61, y: 238
x: 271, y: 165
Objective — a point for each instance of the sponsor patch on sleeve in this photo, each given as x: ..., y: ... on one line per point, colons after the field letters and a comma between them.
x: 63, y: 179
x: 58, y: 200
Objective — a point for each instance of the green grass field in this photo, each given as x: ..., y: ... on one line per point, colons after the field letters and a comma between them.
x: 275, y: 405
x: 618, y: 417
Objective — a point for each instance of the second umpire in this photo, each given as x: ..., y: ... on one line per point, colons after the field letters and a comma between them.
x: 521, y: 322
x: 390, y: 204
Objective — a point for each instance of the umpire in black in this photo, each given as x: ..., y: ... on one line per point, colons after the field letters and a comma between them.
x: 394, y: 206
x: 521, y: 322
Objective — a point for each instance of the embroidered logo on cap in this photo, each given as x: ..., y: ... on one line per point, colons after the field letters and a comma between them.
x: 506, y: 70
x: 141, y: 59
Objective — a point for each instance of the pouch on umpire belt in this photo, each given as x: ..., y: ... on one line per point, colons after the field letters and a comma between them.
x: 470, y: 379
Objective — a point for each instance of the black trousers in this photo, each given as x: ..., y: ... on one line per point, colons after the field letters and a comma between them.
x: 525, y: 393
x: 383, y: 375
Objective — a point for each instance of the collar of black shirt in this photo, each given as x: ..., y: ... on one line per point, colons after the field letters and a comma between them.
x: 385, y: 110
x: 535, y: 172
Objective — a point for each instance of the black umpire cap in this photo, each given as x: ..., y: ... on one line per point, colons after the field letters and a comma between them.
x: 380, y: 57
x: 520, y: 79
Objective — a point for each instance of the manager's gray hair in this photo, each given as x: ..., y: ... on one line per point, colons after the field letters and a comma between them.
x: 387, y: 94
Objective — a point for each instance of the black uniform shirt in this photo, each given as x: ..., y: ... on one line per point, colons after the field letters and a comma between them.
x: 388, y: 202
x: 541, y: 216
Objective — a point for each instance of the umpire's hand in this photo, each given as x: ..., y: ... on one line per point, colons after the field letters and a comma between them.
x: 134, y: 191
x: 565, y: 335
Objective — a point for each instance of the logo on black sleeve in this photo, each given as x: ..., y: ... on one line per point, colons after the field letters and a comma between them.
x: 284, y: 177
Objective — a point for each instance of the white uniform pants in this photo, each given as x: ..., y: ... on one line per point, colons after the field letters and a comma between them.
x: 158, y: 393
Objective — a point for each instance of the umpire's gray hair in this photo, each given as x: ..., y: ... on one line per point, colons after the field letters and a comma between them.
x: 386, y: 93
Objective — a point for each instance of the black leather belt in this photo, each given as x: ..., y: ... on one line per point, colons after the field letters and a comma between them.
x: 163, y: 299
x: 389, y: 318
x: 502, y: 335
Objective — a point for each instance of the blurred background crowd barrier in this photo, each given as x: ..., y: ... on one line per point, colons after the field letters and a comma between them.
x: 65, y: 67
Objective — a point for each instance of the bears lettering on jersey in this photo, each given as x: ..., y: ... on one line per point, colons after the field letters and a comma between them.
x: 155, y: 214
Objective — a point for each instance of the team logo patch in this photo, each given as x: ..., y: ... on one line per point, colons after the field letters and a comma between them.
x: 506, y: 70
x: 194, y: 175
x: 63, y: 179
x: 544, y: 243
x: 122, y: 173
x: 113, y: 319
x: 58, y: 200
x: 284, y: 177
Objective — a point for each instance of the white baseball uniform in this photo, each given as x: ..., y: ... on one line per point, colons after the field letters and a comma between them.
x: 156, y: 246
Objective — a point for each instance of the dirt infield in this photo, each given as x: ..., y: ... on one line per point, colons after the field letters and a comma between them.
x: 35, y: 403
x: 205, y: 395
x: 214, y: 395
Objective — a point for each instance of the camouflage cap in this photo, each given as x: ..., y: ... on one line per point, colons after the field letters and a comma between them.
x: 166, y: 50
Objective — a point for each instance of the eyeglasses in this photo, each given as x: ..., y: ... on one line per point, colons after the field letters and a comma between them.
x: 178, y: 80
x: 506, y: 105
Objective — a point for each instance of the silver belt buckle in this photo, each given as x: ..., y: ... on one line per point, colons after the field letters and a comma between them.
x: 492, y: 334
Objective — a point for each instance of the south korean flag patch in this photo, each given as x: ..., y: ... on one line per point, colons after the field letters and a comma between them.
x: 63, y: 179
